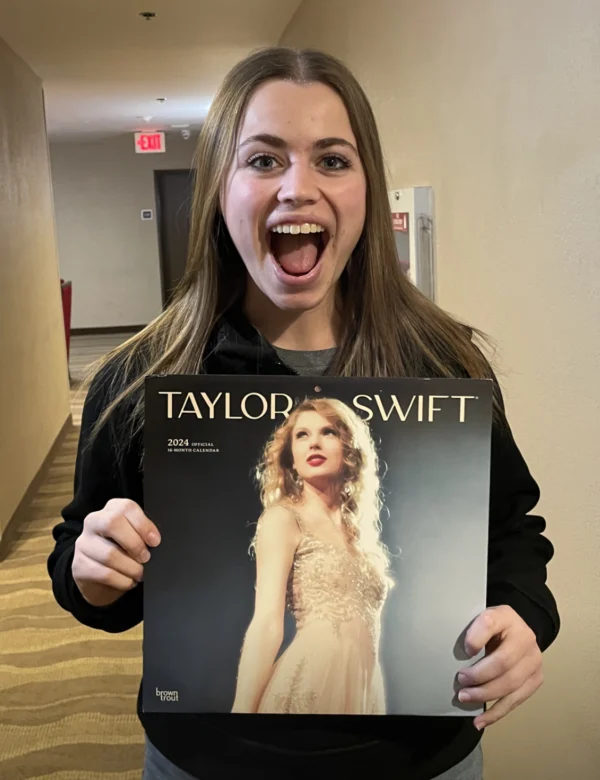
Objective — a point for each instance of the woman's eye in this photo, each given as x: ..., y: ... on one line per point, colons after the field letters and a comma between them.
x: 258, y: 160
x: 266, y: 162
x: 330, y: 432
x: 300, y: 434
x: 335, y: 162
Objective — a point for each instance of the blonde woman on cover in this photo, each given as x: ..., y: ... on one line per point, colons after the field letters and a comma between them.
x: 318, y: 552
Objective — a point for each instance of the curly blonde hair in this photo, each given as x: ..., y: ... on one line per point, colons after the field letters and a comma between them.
x: 359, y: 484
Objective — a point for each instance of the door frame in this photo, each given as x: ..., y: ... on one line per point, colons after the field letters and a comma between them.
x: 162, y: 254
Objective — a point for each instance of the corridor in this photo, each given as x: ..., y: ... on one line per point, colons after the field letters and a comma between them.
x: 67, y: 703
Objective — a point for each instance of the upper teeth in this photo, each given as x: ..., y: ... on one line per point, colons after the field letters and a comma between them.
x: 295, y: 229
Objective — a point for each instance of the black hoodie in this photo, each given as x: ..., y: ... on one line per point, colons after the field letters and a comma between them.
x: 231, y: 746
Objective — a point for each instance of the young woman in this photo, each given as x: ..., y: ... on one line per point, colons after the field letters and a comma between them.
x: 318, y: 537
x: 293, y: 269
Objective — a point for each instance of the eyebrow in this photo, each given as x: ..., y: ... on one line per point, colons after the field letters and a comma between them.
x: 279, y: 143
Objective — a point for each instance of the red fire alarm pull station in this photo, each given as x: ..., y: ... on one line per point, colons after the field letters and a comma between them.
x: 149, y: 143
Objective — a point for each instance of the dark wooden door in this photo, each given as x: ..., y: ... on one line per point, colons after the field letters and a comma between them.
x: 173, y: 201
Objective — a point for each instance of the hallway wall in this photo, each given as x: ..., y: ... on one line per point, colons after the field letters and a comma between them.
x: 34, y: 386
x: 495, y: 105
x: 105, y: 248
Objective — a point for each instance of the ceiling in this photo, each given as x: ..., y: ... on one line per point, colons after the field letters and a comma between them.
x: 104, y: 66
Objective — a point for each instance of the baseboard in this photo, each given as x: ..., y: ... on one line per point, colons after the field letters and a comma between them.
x: 111, y: 329
x: 21, y: 511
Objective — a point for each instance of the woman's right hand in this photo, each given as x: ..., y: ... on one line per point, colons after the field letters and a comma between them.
x: 111, y: 551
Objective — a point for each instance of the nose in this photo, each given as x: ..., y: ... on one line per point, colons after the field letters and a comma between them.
x: 298, y: 185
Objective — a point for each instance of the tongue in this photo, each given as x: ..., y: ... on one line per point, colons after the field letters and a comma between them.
x: 296, y: 254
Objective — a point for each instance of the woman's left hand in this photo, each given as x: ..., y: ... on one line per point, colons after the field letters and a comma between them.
x: 511, y: 671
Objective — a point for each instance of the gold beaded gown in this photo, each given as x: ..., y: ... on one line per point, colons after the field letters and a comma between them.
x: 332, y: 664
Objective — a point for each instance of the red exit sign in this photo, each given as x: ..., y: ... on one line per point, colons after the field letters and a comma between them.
x: 149, y: 143
x: 400, y: 221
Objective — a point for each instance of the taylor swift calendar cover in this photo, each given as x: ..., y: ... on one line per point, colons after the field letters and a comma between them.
x: 324, y: 543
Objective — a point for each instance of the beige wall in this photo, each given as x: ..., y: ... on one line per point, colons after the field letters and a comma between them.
x: 497, y: 106
x: 104, y: 247
x: 34, y: 388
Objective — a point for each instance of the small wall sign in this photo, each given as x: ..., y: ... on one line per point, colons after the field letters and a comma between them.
x: 149, y: 143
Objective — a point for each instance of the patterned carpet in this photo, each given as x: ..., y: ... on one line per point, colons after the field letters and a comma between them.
x: 84, y: 351
x: 67, y: 693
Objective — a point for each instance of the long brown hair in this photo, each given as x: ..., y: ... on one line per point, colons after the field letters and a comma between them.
x: 359, y: 483
x: 390, y: 328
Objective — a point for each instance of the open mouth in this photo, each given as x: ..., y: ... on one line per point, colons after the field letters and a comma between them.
x: 298, y: 253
